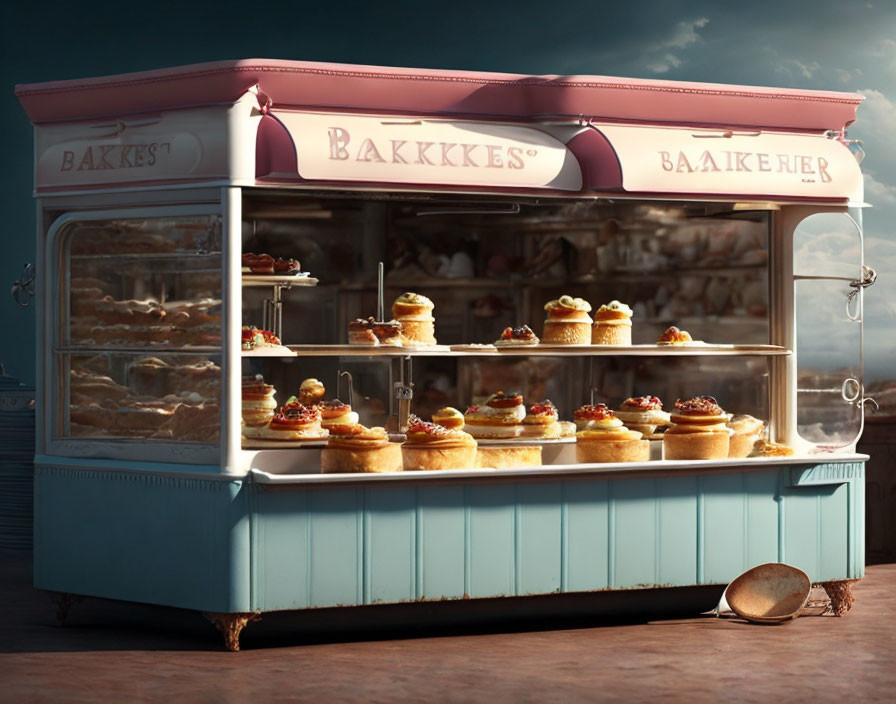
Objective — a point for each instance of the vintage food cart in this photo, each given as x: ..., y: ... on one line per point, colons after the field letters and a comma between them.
x: 731, y: 211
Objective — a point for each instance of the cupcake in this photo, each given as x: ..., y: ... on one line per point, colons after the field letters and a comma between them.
x: 295, y: 421
x: 606, y: 439
x: 448, y: 417
x: 522, y: 336
x: 367, y: 450
x: 612, y: 325
x: 673, y: 336
x: 745, y: 432
x: 541, y: 421
x: 414, y: 312
x: 567, y: 322
x: 258, y: 405
x: 698, y: 431
x: 644, y: 414
x: 500, y: 417
x: 311, y: 392
x: 432, y: 446
x: 338, y: 418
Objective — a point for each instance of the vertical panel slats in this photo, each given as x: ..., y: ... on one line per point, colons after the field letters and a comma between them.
x: 677, y: 530
x: 335, y: 549
x: 492, y: 540
x: 390, y: 544
x: 723, y: 518
x: 635, y: 530
x: 587, y: 527
x: 539, y: 538
x: 442, y: 534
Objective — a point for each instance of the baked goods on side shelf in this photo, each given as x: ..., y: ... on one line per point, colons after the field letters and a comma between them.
x: 542, y: 421
x: 372, y: 333
x: 500, y: 417
x: 254, y: 339
x: 522, y: 336
x: 266, y: 264
x: 415, y: 313
x: 612, y: 325
x: 258, y: 402
x: 673, y: 336
x: 698, y: 431
x: 745, y: 433
x: 567, y: 322
x: 766, y: 448
x: 431, y: 446
x: 644, y: 414
x: 338, y: 418
x: 606, y: 439
x: 293, y: 421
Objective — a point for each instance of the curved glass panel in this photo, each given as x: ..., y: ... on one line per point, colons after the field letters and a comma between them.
x: 827, y: 244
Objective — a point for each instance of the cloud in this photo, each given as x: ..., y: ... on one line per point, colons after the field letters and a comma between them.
x: 684, y: 35
x: 663, y: 65
x: 878, y: 193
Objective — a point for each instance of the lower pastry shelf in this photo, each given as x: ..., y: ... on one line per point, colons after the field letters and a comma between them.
x: 474, y: 350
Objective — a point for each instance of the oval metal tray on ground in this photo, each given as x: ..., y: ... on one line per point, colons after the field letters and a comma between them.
x: 770, y: 593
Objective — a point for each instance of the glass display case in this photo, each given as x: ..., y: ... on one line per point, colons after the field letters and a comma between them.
x: 723, y: 214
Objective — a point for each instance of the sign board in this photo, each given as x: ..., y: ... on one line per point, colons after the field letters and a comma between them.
x: 339, y: 147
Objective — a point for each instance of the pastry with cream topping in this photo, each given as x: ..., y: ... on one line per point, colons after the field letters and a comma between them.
x: 500, y: 417
x: 449, y: 417
x: 673, y: 336
x: 698, y: 431
x: 253, y: 338
x: 258, y: 404
x: 522, y: 336
x: 606, y: 439
x: 370, y: 332
x: 567, y: 322
x: 644, y: 414
x: 338, y: 418
x: 295, y: 421
x: 612, y: 325
x: 311, y: 391
x: 745, y: 433
x: 432, y: 446
x: 367, y: 450
x: 414, y: 312
x: 542, y: 421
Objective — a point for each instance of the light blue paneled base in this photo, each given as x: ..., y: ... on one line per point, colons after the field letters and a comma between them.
x: 319, y: 546
x: 238, y: 546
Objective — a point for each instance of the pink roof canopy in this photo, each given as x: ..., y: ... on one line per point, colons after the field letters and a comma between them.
x: 469, y: 94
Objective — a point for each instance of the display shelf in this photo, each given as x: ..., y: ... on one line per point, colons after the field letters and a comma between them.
x: 278, y: 351
x: 286, y: 281
x: 691, y: 350
x: 143, y: 256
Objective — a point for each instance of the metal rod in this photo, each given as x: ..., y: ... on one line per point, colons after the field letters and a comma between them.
x: 344, y: 373
x: 380, y: 302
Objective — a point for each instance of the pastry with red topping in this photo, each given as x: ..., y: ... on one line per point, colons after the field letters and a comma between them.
x: 367, y: 450
x: 266, y: 264
x: 253, y: 338
x: 586, y: 416
x: 673, y: 336
x: 522, y: 336
x: 500, y: 417
x: 258, y: 405
x: 644, y: 414
x: 606, y: 439
x: 338, y: 418
x: 699, y: 430
x: 567, y: 322
x: 295, y: 421
x: 612, y: 325
x: 432, y: 446
x: 542, y: 421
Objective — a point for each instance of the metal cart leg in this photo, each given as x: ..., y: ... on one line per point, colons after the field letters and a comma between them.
x: 231, y: 625
x: 64, y: 602
x: 840, y: 592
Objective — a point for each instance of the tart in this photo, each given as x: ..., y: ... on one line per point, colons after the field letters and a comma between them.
x: 414, y: 312
x: 612, y: 325
x: 311, y: 391
x: 500, y: 417
x: 366, y: 451
x: 567, y: 322
x: 644, y: 414
x: 360, y: 332
x: 294, y: 421
x: 253, y: 338
x: 673, y: 336
x: 338, y: 418
x: 431, y: 446
x: 522, y: 336
x: 606, y: 439
x: 542, y: 421
x: 258, y: 402
x: 698, y: 431
x: 745, y: 433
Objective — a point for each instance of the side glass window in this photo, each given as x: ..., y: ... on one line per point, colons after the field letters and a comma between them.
x: 138, y: 349
x: 827, y: 250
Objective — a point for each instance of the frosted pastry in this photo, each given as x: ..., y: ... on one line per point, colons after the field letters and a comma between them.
x: 414, y: 312
x: 338, y: 418
x: 644, y: 414
x: 500, y: 417
x: 294, y: 421
x: 606, y: 439
x: 449, y: 417
x: 311, y: 391
x: 431, y: 446
x: 698, y: 431
x: 522, y: 336
x: 370, y: 332
x: 673, y: 336
x: 567, y: 322
x: 541, y: 421
x: 612, y: 325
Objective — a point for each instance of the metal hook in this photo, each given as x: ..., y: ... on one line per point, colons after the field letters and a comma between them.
x: 873, y: 402
x: 23, y: 288
x: 869, y: 276
x: 343, y: 373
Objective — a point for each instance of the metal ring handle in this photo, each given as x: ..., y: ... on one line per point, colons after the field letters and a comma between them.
x: 869, y: 276
x: 851, y: 397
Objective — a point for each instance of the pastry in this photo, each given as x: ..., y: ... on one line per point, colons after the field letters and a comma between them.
x: 673, y: 336
x: 500, y: 417
x: 259, y: 263
x: 311, y: 391
x: 253, y: 338
x: 567, y: 429
x: 542, y: 421
x: 606, y: 439
x: 517, y: 337
x: 745, y: 433
x: 448, y: 417
x: 338, y: 418
x: 644, y: 414
x: 585, y: 416
x: 295, y: 421
x: 766, y: 448
x: 612, y: 325
x: 567, y: 322
x: 360, y: 332
x: 388, y: 332
x: 508, y: 456
x: 432, y: 446
x: 368, y: 450
x: 258, y: 402
x: 698, y: 431
x: 414, y: 312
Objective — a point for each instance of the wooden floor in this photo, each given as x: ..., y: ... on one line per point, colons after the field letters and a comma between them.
x: 121, y: 652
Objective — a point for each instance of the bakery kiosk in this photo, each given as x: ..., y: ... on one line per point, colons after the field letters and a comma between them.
x: 731, y: 212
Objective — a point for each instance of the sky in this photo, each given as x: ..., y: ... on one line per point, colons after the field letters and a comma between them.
x: 825, y: 44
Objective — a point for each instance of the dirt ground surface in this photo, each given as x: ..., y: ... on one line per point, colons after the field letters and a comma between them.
x: 119, y: 652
